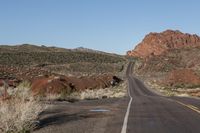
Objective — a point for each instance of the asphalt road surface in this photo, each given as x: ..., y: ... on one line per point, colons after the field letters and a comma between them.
x: 152, y: 113
x: 142, y: 111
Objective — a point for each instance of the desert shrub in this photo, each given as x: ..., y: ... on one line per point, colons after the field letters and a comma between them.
x: 64, y: 93
x: 111, y: 92
x: 182, y: 85
x: 18, y: 115
x: 20, y: 112
x: 24, y: 84
x: 188, y: 86
x: 192, y: 86
x: 96, y: 67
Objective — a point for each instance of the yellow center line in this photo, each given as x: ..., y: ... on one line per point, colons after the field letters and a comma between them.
x: 192, y: 107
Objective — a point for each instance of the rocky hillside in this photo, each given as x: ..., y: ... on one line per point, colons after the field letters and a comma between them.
x: 170, y: 60
x: 60, y: 60
x: 158, y: 43
x: 56, y: 70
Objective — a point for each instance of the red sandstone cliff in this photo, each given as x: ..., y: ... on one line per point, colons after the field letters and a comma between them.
x: 157, y: 43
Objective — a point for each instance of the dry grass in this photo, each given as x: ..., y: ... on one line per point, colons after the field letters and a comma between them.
x: 18, y: 115
x: 20, y: 112
x: 112, y: 92
x: 171, y: 91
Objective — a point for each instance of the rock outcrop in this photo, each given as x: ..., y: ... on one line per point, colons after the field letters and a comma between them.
x: 158, y: 43
x: 44, y: 82
x: 60, y: 84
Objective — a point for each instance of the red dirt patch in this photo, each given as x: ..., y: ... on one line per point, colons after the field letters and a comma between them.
x: 63, y: 84
x: 51, y: 85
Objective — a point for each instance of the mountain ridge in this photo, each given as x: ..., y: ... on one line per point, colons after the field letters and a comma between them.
x: 43, y: 48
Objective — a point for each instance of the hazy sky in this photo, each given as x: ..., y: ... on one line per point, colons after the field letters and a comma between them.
x: 108, y: 25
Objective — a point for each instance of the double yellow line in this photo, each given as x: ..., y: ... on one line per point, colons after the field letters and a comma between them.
x: 189, y: 106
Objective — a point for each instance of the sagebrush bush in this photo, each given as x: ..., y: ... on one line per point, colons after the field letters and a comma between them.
x: 19, y: 113
x: 112, y: 92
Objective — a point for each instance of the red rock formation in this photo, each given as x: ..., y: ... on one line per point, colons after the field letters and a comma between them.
x: 157, y: 43
x: 59, y: 84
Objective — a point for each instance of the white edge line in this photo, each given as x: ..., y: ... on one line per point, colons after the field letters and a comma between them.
x: 124, y: 127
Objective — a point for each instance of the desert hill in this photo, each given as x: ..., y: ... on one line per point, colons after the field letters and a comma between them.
x: 60, y: 59
x: 59, y: 69
x: 30, y: 48
x: 158, y: 43
x: 170, y: 59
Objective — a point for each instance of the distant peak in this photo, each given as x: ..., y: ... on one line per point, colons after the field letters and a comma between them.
x: 166, y: 32
x: 80, y: 48
x: 171, y: 31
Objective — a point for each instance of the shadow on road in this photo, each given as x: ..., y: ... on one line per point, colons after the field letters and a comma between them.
x: 59, y: 118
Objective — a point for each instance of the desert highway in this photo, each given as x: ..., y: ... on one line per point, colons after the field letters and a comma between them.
x: 152, y: 113
x: 142, y: 111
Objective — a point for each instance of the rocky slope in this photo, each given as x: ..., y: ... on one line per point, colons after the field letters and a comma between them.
x: 52, y: 69
x: 60, y: 60
x: 158, y: 43
x: 170, y: 60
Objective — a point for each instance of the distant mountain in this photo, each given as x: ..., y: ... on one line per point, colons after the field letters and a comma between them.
x: 158, y: 43
x: 82, y: 49
x: 43, y: 48
x: 30, y: 48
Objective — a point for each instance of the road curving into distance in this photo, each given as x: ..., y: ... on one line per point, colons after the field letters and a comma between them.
x: 141, y: 112
x: 152, y: 113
